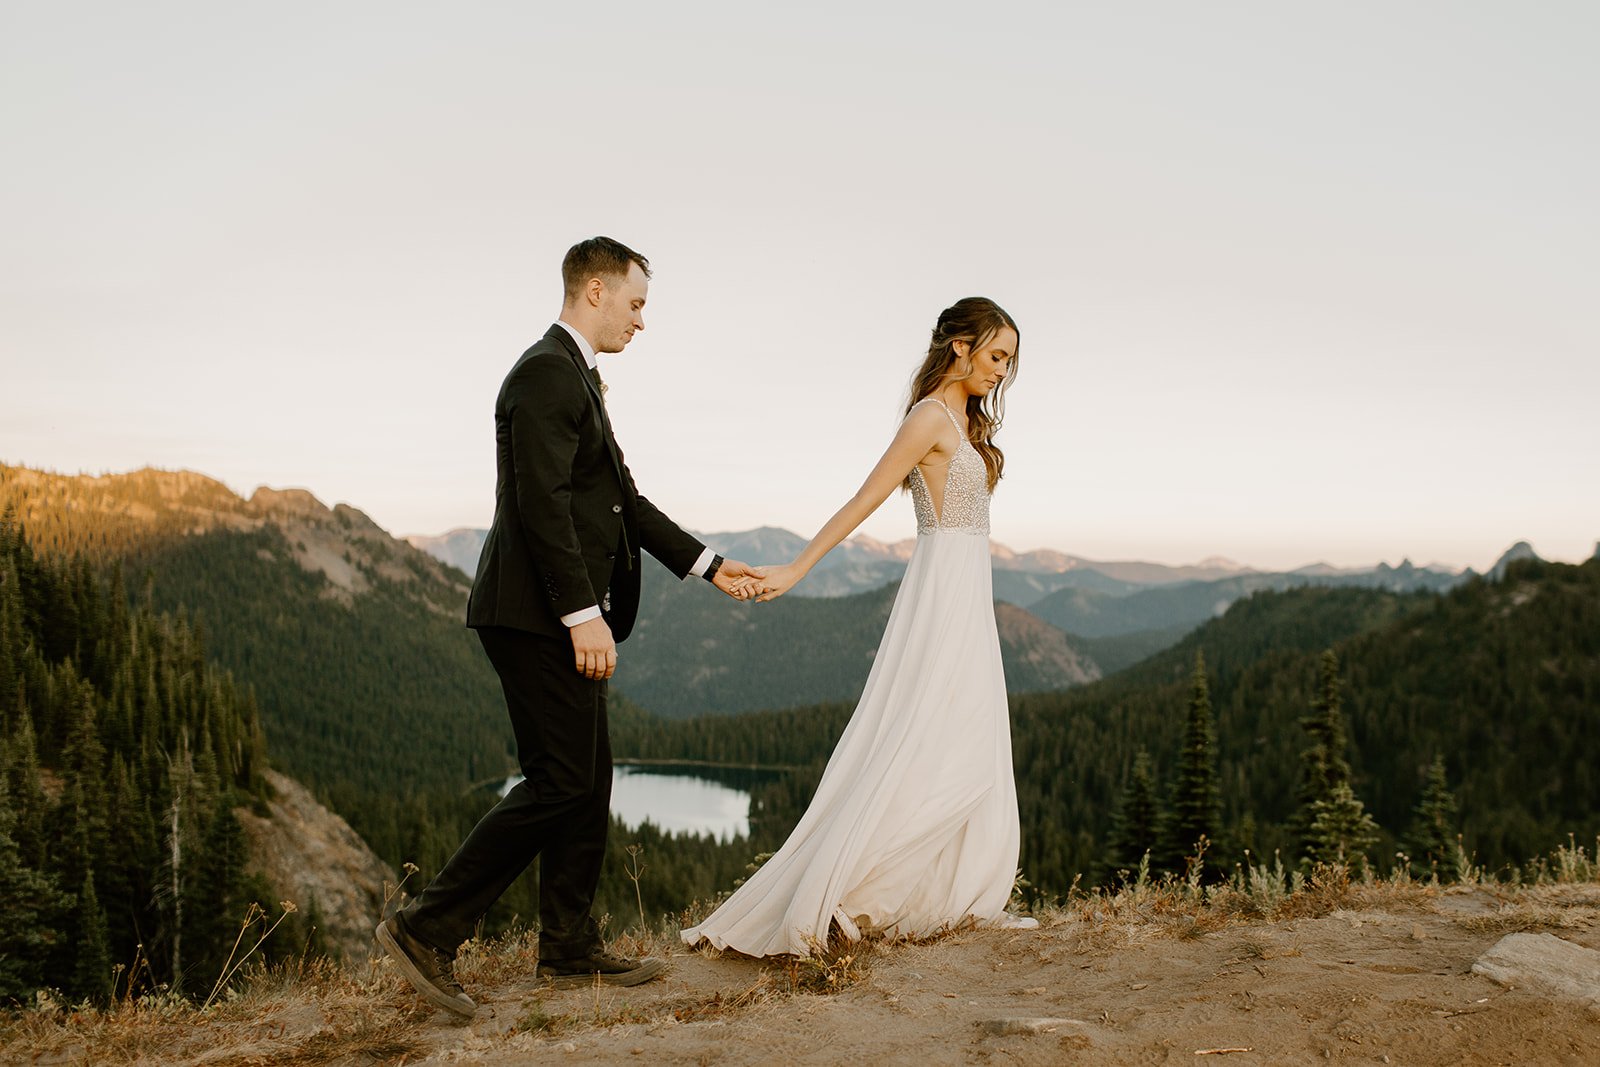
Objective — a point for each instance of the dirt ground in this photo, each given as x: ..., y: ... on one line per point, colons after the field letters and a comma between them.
x: 1384, y: 982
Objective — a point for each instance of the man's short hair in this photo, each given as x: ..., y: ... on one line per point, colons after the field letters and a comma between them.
x: 598, y: 257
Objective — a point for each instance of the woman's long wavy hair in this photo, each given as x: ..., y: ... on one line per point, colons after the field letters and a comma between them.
x: 975, y: 320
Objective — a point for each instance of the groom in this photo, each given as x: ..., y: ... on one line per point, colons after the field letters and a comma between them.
x: 557, y: 587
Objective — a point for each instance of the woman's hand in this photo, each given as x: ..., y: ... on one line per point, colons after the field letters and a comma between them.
x: 778, y: 581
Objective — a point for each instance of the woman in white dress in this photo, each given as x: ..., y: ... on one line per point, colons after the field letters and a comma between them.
x: 914, y: 824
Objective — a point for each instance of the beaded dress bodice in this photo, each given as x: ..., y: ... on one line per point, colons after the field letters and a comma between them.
x: 966, y: 490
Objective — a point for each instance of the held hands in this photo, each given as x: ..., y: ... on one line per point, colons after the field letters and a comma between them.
x: 769, y: 583
x: 734, y: 578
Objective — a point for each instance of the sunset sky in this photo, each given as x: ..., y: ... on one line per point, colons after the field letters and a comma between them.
x: 1294, y: 282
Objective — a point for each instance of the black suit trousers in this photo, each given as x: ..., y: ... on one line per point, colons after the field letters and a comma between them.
x: 560, y: 811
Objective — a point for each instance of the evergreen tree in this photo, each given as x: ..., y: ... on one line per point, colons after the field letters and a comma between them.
x: 216, y: 890
x: 1323, y: 767
x: 71, y: 863
x: 1432, y: 836
x: 28, y: 801
x: 31, y: 909
x: 1196, y: 798
x: 1137, y: 823
x: 11, y: 638
x: 1341, y: 830
x: 91, y: 965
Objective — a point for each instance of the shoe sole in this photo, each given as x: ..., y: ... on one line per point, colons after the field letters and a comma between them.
x: 462, y: 1006
x: 648, y: 968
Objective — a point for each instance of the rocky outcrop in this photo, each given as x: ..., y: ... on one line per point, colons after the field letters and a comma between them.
x: 114, y: 516
x: 312, y: 856
x: 1045, y: 650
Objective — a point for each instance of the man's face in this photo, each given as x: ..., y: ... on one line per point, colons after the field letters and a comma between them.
x: 622, y: 310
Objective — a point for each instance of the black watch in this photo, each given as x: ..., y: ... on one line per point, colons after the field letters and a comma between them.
x: 716, y: 565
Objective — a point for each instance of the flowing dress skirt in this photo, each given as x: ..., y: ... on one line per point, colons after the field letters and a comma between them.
x: 914, y: 825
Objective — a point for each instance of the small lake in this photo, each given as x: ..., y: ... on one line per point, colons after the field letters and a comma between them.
x: 681, y: 797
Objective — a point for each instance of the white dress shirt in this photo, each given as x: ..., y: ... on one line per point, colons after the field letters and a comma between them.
x: 701, y: 565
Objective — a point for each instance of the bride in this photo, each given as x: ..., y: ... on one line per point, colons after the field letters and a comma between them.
x: 914, y: 825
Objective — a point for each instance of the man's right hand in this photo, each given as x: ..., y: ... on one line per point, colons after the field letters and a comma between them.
x: 595, y: 651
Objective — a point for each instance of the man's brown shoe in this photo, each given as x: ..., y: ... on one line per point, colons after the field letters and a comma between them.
x: 430, y: 971
x: 600, y: 967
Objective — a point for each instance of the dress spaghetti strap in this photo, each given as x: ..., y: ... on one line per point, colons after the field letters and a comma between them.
x: 950, y: 414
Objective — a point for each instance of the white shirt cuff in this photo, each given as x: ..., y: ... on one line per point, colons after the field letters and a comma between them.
x: 577, y: 617
x: 701, y: 565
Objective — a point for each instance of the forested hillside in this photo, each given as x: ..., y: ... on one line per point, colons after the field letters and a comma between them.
x: 1500, y: 679
x: 123, y: 753
x: 352, y: 642
x: 368, y: 683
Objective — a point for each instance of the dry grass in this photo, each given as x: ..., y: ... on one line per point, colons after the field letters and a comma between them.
x: 1532, y: 914
x: 312, y: 1013
x: 1562, y: 891
x: 302, y: 1015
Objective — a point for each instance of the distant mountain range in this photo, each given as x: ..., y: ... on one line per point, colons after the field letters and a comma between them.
x: 1114, y: 612
x: 862, y: 563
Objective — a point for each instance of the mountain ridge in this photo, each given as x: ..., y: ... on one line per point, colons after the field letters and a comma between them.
x: 863, y: 562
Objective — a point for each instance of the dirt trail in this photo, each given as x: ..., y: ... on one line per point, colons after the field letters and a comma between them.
x: 1368, y: 986
x: 1386, y: 979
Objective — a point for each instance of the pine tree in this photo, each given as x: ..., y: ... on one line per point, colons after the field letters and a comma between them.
x: 31, y: 910
x: 132, y: 857
x: 11, y: 638
x: 1323, y: 767
x: 216, y: 891
x: 1196, y: 799
x: 91, y: 967
x: 1432, y: 836
x: 83, y: 764
x: 1341, y: 830
x: 28, y: 800
x: 1137, y: 822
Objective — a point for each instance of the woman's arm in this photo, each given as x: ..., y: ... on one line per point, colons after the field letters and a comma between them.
x: 919, y: 435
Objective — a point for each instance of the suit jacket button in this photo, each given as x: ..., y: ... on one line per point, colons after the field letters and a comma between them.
x: 611, y: 555
x: 616, y: 509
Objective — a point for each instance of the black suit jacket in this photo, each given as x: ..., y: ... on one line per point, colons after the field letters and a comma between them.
x: 568, y: 520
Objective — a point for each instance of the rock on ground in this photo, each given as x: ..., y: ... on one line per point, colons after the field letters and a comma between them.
x: 1545, y: 962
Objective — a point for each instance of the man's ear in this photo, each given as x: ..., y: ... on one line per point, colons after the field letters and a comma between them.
x: 594, y: 290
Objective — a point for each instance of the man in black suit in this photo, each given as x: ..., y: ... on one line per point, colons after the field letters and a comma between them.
x: 557, y: 587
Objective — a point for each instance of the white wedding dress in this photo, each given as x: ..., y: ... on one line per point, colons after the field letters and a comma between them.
x: 914, y: 825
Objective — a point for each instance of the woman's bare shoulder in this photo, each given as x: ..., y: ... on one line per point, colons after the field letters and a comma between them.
x: 928, y: 421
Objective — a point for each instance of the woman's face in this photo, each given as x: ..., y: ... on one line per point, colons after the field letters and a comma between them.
x: 990, y: 363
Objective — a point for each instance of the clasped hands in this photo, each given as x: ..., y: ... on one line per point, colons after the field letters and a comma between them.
x: 762, y: 584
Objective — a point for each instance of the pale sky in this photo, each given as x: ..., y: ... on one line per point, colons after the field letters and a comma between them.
x: 1295, y: 282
